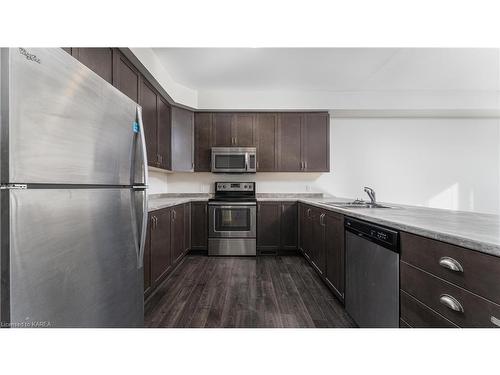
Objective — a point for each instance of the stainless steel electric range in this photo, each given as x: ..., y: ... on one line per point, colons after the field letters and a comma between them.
x: 232, y: 219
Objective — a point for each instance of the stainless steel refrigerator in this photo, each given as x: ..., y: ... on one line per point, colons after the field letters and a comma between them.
x: 73, y: 197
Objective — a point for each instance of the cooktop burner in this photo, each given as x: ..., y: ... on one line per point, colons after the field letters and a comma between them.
x: 234, y: 191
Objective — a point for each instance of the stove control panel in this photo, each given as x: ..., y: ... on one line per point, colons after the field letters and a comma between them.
x: 235, y: 186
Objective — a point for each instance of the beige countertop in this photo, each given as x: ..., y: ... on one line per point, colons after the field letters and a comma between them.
x: 472, y: 230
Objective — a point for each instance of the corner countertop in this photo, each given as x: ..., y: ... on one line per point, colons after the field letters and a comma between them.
x: 476, y: 231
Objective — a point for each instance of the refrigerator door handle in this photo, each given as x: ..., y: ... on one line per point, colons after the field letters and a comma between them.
x: 144, y: 226
x: 143, y: 145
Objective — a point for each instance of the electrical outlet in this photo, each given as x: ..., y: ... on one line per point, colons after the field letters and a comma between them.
x: 308, y: 187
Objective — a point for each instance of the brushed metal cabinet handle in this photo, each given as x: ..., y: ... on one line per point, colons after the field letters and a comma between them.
x: 451, y: 303
x: 451, y: 264
x: 495, y: 321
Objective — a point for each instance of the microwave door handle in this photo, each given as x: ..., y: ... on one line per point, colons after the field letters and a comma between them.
x: 247, y: 161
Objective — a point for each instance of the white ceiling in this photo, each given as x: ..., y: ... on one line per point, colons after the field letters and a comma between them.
x: 332, y: 69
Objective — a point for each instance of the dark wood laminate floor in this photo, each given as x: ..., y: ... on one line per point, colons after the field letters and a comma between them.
x: 263, y: 292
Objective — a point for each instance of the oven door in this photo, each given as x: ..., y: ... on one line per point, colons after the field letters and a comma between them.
x: 230, y: 220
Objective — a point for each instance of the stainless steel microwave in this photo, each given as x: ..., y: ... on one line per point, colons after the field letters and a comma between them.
x: 234, y: 159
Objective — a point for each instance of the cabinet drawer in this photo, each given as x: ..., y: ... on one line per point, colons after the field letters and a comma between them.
x: 417, y: 315
x: 480, y: 272
x: 434, y: 292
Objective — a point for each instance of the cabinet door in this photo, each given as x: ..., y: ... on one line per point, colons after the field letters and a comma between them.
x: 268, y: 226
x: 202, y: 141
x: 306, y: 231
x: 161, y: 257
x: 164, y: 134
x: 335, y: 252
x: 289, y: 226
x: 187, y: 227
x: 302, y: 226
x: 243, y: 129
x: 147, y: 258
x: 222, y: 126
x: 99, y: 60
x: 289, y: 142
x: 316, y: 142
x: 149, y: 102
x: 318, y: 240
x: 182, y: 140
x: 177, y: 233
x: 126, y: 77
x: 199, y: 234
x: 267, y: 130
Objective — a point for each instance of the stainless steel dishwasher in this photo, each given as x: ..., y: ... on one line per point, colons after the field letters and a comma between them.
x: 372, y: 274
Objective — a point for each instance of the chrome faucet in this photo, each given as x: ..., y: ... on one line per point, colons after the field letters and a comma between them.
x: 371, y: 194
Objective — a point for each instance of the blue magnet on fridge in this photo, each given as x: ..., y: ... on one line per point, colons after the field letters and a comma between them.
x: 135, y: 127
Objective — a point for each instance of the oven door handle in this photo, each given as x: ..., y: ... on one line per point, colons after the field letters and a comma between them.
x: 231, y: 205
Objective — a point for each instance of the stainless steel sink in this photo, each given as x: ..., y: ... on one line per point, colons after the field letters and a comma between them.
x: 356, y: 204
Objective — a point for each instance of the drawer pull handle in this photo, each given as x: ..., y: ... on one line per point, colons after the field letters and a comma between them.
x: 451, y: 303
x: 495, y: 321
x: 451, y: 264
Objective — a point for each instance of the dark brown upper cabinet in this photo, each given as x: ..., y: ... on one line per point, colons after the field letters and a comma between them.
x: 222, y: 134
x: 148, y: 99
x: 243, y: 129
x: 304, y: 142
x: 266, y: 125
x: 164, y: 134
x: 316, y: 142
x: 126, y: 77
x: 202, y: 141
x: 99, y: 60
x: 233, y: 130
x: 289, y: 142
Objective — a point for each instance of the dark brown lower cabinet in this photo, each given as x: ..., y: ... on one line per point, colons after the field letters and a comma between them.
x: 166, y: 243
x: 321, y: 240
x: 268, y: 227
x: 161, y: 251
x: 147, y: 259
x: 335, y: 252
x: 187, y: 227
x: 199, y: 226
x: 276, y: 227
x: 417, y: 315
x: 289, y: 226
x: 178, y: 235
x: 317, y: 243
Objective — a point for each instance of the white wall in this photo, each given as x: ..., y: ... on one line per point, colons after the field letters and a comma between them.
x: 440, y: 162
x: 157, y: 181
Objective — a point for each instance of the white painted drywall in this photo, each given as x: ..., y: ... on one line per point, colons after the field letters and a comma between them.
x: 442, y: 163
x: 157, y: 181
x: 178, y: 92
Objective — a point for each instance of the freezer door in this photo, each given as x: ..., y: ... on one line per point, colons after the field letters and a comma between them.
x: 65, y: 124
x: 74, y: 258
